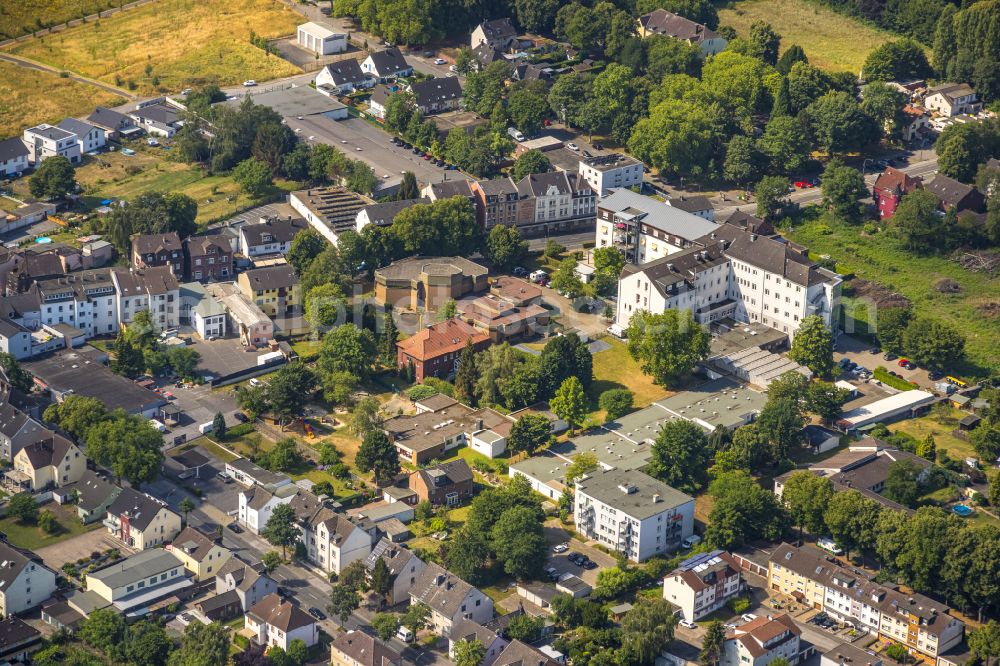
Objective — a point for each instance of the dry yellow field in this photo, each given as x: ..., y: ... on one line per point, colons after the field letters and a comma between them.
x: 183, y: 43
x: 30, y: 96
x: 18, y: 18
x: 831, y: 40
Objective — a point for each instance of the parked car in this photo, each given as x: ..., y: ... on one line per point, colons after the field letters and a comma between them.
x: 560, y: 548
x: 249, y: 83
x: 889, y: 356
x: 589, y: 564
x: 803, y: 184
x: 404, y: 635
x: 576, y: 558
x: 440, y: 61
x: 552, y: 573
x: 875, y: 350
x: 902, y: 362
x: 519, y: 271
x: 748, y: 617
x: 934, y: 375
x: 235, y: 528
x: 598, y: 146
x: 688, y: 625
x: 572, y: 146
x: 241, y: 417
x: 317, y: 613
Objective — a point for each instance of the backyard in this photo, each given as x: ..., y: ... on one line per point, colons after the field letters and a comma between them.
x: 31, y: 96
x: 973, y: 309
x: 940, y: 426
x: 171, y: 44
x: 32, y: 537
x: 615, y: 368
x: 831, y: 41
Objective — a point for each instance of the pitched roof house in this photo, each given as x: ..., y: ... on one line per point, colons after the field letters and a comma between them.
x: 450, y: 599
x: 496, y: 34
x: 467, y: 630
x: 437, y: 94
x: 386, y: 63
x: 662, y: 22
x: 517, y: 653
x: 52, y: 462
x: 249, y: 582
x: 952, y: 99
x: 163, y: 249
x: 275, y: 621
x: 356, y: 648
x: 446, y: 483
x: 201, y: 554
x: 761, y: 641
x: 953, y: 194
x: 889, y: 188
x: 140, y: 521
x: 93, y: 496
x: 434, y: 351
x: 404, y: 567
x: 24, y: 581
x: 342, y: 77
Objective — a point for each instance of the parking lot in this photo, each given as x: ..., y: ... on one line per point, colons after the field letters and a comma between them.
x: 198, y: 404
x: 555, y: 534
x: 859, y: 352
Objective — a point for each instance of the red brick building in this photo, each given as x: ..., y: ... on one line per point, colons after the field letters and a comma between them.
x: 434, y: 351
x: 889, y: 188
x: 448, y: 483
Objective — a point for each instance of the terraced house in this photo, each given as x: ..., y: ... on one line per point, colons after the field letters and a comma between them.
x: 921, y: 624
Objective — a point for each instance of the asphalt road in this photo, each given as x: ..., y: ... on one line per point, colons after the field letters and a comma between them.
x: 571, y: 241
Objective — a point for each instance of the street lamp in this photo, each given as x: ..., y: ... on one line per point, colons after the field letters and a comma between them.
x: 864, y: 165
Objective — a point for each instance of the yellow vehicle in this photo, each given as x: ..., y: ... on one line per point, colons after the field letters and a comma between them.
x: 956, y: 381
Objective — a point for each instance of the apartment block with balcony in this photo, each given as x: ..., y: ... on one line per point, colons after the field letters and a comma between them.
x: 154, y: 289
x: 703, y: 583
x: 45, y: 141
x: 632, y: 513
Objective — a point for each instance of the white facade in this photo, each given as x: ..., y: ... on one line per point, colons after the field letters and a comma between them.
x: 703, y: 584
x: 320, y: 40
x: 254, y: 518
x: 32, y: 585
x: 611, y: 171
x: 553, y: 205
x: 702, y: 287
x: 450, y: 599
x: 45, y: 141
x: 331, y: 549
x: 760, y: 642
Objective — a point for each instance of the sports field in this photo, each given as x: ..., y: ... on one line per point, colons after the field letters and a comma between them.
x: 831, y: 41
x: 171, y: 44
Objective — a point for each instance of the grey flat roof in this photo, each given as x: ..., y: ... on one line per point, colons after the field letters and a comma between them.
x: 299, y: 101
x: 658, y: 214
x: 641, y: 501
x: 146, y: 564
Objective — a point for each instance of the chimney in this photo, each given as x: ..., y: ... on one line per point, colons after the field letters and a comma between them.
x: 656, y: 498
x: 753, y: 237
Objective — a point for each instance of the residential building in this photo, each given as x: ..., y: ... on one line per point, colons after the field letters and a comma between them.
x: 18, y: 430
x: 385, y: 64
x: 698, y: 205
x: 662, y: 22
x: 843, y: 654
x: 320, y: 40
x: 201, y: 554
x: 115, y: 125
x: 467, y: 630
x: 356, y: 648
x: 274, y: 289
x: 645, y: 229
x: 378, y: 100
x: 90, y: 137
x: 442, y: 424
x: 917, y: 124
x: 437, y: 95
x: 332, y: 540
x: 448, y: 483
x: 208, y: 258
x: 703, y: 583
x: 952, y: 99
x: 632, y: 513
x: 953, y: 194
x: 248, y: 473
x: 24, y: 581
x: 159, y: 250
x: 446, y: 189
x: 273, y: 621
x: 137, y: 581
x: 503, y: 320
x: 485, y: 55
x: 45, y: 141
x: 434, y: 351
x: 258, y: 502
x: 87, y: 300
x: 404, y: 568
x: 18, y: 640
x: 249, y: 582
x: 555, y: 201
x: 427, y: 283
x: 496, y: 202
x: 93, y: 496
x: 496, y: 34
x: 157, y: 118
x: 246, y: 319
x: 612, y: 171
x: 450, y: 599
x: 343, y: 77
x: 748, y: 222
x: 154, y: 289
x: 14, y: 156
x: 270, y: 236
x: 219, y: 607
x: 517, y: 653
x: 889, y: 188
x: 52, y: 462
x: 140, y: 521
x: 761, y: 641
x: 522, y: 71
x: 330, y: 211
x: 924, y: 626
x: 202, y: 312
x: 383, y: 214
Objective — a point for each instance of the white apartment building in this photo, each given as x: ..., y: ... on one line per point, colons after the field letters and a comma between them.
x: 24, y: 581
x: 734, y: 273
x: 257, y: 503
x: 404, y: 567
x: 45, y: 141
x: 89, y: 137
x: 87, y: 300
x: 450, y: 599
x: 561, y: 200
x: 703, y: 583
x: 154, y: 289
x: 761, y: 641
x: 613, y: 171
x: 645, y: 229
x: 632, y: 513
x: 332, y: 541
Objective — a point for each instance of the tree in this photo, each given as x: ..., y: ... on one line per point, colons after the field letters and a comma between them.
x: 615, y: 403
x: 984, y: 642
x: 843, y: 187
x: 53, y: 179
x: 254, y: 177
x: 186, y: 506
x: 764, y: 42
x: 385, y: 624
x: 933, y: 344
x: 742, y: 511
x: 466, y: 652
x: 128, y: 360
x: 813, y: 346
x: 17, y: 376
x: 569, y: 402
x: 219, y: 426
x: 519, y: 543
x: 377, y: 454
x: 680, y: 456
x: 271, y: 560
x: 147, y: 644
x: 566, y: 280
x: 448, y: 310
x: 743, y: 161
x: 680, y: 138
x: 583, y: 463
x: 890, y: 325
x: 785, y: 144
x: 985, y: 442
x: 381, y: 578
x: 529, y: 162
x: 792, y: 55
x: 528, y: 434
x: 825, y: 400
x: 902, y: 483
x: 297, y: 651
x: 366, y: 417
x: 325, y: 307
x: 47, y: 521
x: 563, y: 357
x: 282, y: 528
x: 780, y: 424
x: 772, y: 196
x: 839, y: 124
x: 921, y: 228
x: 666, y: 56
x: 388, y: 339
x: 711, y: 645
x: 127, y: 445
x: 897, y: 60
x: 887, y: 106
x: 504, y: 246
x: 183, y: 360
x: 668, y: 345
x: 806, y: 497
x: 851, y: 520
x: 76, y: 414
x: 408, y: 187
x: 527, y: 109
x: 290, y: 388
x: 202, y: 645
x: 104, y: 629
x: 283, y: 457
x: 609, y: 260
x: 525, y: 628
x: 305, y: 247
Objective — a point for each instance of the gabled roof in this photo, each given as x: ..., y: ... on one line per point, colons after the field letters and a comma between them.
x: 388, y: 61
x: 15, y: 632
x: 896, y: 181
x: 951, y: 192
x: 47, y: 452
x: 565, y: 183
x: 441, y: 338
x: 12, y: 148
x: 109, y: 119
x: 950, y: 91
x: 521, y: 654
x: 691, y: 204
x: 363, y: 649
x: 788, y: 261
x: 153, y: 243
x: 486, y: 54
x: 194, y: 543
x: 385, y: 212
x: 440, y: 590
x: 280, y: 231
x: 437, y: 91
x: 78, y: 127
x: 271, y: 278
x: 673, y: 25
x: 446, y: 474
x: 140, y: 508
x: 499, y: 29
x: 145, y: 281
x: 345, y: 71
x: 277, y: 612
x: 199, y: 245
x: 92, y: 491
x: 14, y: 561
x: 748, y: 222
x: 761, y: 635
x: 395, y: 556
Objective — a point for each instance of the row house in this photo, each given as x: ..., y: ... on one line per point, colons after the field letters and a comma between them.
x: 163, y: 249
x: 923, y: 625
x: 559, y: 201
x: 703, y: 584
x: 209, y: 258
x: 271, y: 236
x: 154, y: 289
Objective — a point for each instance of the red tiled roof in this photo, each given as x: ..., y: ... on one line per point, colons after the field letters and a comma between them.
x: 441, y: 338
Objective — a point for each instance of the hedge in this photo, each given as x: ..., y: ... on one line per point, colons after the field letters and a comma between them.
x: 895, y: 382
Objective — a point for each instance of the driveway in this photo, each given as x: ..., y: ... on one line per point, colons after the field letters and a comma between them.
x: 590, y: 323
x: 554, y: 534
x: 71, y: 550
x: 198, y: 404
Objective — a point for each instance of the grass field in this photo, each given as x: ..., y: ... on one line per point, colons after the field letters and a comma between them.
x: 614, y: 368
x: 831, y: 41
x: 882, y: 260
x: 19, y: 18
x: 185, y: 43
x: 941, y: 429
x: 31, y: 97
x: 33, y: 537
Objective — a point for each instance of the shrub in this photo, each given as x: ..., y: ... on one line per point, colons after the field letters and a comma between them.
x: 899, y: 383
x: 739, y: 605
x: 897, y: 652
x: 616, y: 402
x: 421, y: 392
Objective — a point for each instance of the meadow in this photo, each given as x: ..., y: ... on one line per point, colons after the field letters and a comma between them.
x: 172, y: 44
x: 30, y: 96
x: 831, y: 41
x: 24, y: 16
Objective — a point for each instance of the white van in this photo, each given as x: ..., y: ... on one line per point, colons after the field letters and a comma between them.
x: 159, y: 426
x: 829, y: 545
x: 404, y: 635
x: 515, y: 134
x: 535, y: 276
x: 206, y: 427
x: 691, y: 542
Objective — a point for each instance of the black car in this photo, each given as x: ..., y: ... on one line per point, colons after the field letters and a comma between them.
x: 889, y: 356
x: 589, y: 564
x: 317, y: 613
x: 576, y: 558
x: 406, y: 145
x: 393, y: 140
x: 241, y: 417
x: 875, y: 350
x: 598, y: 146
x: 934, y: 375
x: 235, y: 528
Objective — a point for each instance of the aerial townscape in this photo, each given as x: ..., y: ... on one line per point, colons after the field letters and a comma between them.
x: 500, y: 333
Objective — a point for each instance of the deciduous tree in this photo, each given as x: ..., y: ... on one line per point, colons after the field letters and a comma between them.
x: 680, y: 456
x: 667, y: 345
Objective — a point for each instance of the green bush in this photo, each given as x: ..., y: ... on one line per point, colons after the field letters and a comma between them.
x: 241, y: 641
x: 239, y: 430
x: 899, y: 383
x: 421, y: 392
x: 739, y: 605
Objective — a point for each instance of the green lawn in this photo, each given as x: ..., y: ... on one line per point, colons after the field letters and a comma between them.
x: 32, y: 537
x: 615, y: 368
x: 941, y: 429
x: 881, y: 259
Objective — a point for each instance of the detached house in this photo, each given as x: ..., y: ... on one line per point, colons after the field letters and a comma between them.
x: 952, y: 99
x: 250, y: 584
x: 889, y: 188
x: 761, y: 641
x: 448, y: 483
x: 13, y: 157
x: 93, y: 496
x: 24, y: 581
x: 434, y: 351
x: 333, y: 541
x: 274, y: 289
x: 164, y: 249
x: 340, y: 78
x: 703, y: 583
x: 437, y: 95
x: 275, y: 621
x: 115, y: 125
x: 386, y: 64
x: 139, y: 521
x: 497, y: 34
x: 953, y: 194
x: 45, y: 141
x: 90, y: 137
x: 356, y: 648
x: 404, y: 567
x: 51, y: 462
x: 662, y: 22
x: 202, y: 555
x: 450, y: 599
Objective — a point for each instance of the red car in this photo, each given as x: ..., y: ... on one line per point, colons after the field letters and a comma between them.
x: 903, y: 362
x: 803, y: 184
x: 427, y: 156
